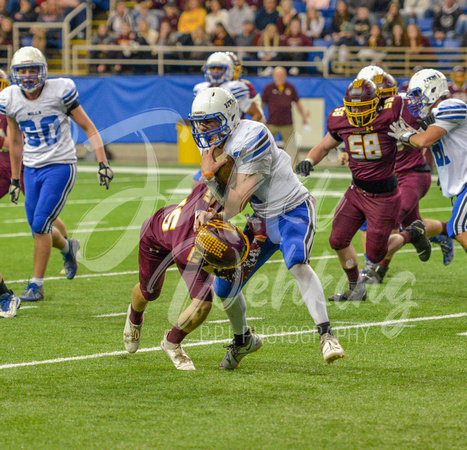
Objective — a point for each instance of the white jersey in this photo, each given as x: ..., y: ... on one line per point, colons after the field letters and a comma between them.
x: 238, y: 88
x: 450, y: 151
x: 254, y: 150
x: 44, y: 122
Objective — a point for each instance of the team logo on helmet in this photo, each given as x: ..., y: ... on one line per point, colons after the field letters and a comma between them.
x: 223, y: 245
x: 361, y: 102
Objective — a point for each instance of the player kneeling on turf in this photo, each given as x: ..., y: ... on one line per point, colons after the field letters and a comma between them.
x: 169, y: 238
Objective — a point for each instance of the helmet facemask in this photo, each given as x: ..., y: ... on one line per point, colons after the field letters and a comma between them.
x: 214, y: 136
x: 29, y: 82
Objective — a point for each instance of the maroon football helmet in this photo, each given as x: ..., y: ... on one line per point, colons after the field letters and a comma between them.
x: 361, y: 102
x: 222, y: 245
x: 386, y: 84
x: 4, y: 80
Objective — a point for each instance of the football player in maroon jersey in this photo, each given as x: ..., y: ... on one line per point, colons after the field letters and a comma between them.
x: 414, y: 180
x: 363, y: 124
x: 168, y: 238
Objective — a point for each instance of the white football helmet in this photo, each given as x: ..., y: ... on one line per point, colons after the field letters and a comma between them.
x: 369, y: 72
x: 214, y: 115
x: 24, y: 58
x: 425, y: 88
x: 219, y: 69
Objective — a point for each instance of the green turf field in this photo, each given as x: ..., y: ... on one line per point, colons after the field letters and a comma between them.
x: 67, y: 382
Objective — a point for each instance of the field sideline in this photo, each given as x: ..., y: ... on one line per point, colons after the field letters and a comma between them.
x: 68, y: 382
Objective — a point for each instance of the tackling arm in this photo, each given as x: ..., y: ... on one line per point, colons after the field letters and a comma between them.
x: 427, y: 138
x: 316, y: 154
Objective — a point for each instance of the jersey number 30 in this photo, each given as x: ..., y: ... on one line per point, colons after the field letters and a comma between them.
x: 48, y: 132
x: 365, y: 147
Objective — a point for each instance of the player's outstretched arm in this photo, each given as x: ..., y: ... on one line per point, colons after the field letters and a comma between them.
x: 315, y: 155
x: 105, y: 174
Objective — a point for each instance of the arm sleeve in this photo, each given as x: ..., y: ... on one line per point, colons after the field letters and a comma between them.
x: 68, y: 94
x: 450, y: 114
x: 255, y: 156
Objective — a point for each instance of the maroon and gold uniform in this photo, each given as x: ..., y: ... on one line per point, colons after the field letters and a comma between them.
x: 373, y: 194
x: 168, y: 238
x: 413, y: 176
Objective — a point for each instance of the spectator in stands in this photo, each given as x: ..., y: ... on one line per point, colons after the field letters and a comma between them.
x: 221, y: 37
x: 376, y: 38
x: 314, y: 23
x: 142, y: 12
x: 118, y: 17
x: 317, y: 4
x: 101, y: 37
x: 192, y: 17
x: 268, y: 14
x: 3, y: 10
x: 399, y: 37
x: 341, y: 16
x: 417, y: 41
x: 172, y: 15
x: 238, y: 15
x: 26, y: 12
x: 51, y: 39
x: 347, y: 37
x: 458, y: 83
x: 167, y: 37
x: 6, y: 31
x: 294, y: 37
x: 362, y: 24
x: 286, y: 13
x: 146, y: 35
x: 417, y: 9
x: 445, y: 19
x: 248, y: 38
x: 127, y: 40
x: 354, y: 5
x: 392, y: 18
x: 269, y: 39
x: 279, y: 96
x: 381, y: 7
x: 199, y: 37
x: 217, y: 15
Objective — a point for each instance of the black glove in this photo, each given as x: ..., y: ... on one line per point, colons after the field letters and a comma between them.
x: 304, y: 168
x: 14, y: 190
x: 426, y: 122
x: 105, y: 174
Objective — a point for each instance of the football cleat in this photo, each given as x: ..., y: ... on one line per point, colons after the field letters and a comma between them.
x: 236, y: 353
x: 176, y: 354
x: 131, y: 334
x: 447, y: 247
x: 33, y: 293
x: 419, y: 240
x: 375, y: 275
x: 70, y: 262
x: 9, y: 303
x: 356, y: 293
x: 330, y: 348
x: 367, y: 268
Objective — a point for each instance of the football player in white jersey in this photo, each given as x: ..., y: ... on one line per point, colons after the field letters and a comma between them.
x: 264, y: 179
x: 446, y: 133
x: 40, y: 109
x: 220, y: 72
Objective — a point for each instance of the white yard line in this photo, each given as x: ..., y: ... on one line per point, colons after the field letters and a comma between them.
x: 462, y: 334
x: 224, y: 341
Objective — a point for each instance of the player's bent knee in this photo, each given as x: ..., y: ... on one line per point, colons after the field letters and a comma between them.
x: 338, y: 244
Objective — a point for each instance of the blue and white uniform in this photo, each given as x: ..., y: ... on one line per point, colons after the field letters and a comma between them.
x: 49, y: 153
x: 450, y: 154
x: 281, y: 200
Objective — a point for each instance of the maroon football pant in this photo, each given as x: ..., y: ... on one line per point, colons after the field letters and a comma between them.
x: 413, y: 187
x: 155, y: 260
x: 381, y: 211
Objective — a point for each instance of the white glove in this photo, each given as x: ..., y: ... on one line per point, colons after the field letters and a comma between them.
x: 402, y: 131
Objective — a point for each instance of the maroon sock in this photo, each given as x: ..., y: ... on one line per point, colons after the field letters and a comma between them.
x: 352, y: 274
x: 445, y: 228
x: 406, y: 236
x: 136, y: 317
x: 384, y: 263
x: 176, y: 335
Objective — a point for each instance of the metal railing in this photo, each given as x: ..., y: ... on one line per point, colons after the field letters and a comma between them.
x: 6, y: 52
x: 398, y: 61
x: 163, y: 56
x: 64, y: 27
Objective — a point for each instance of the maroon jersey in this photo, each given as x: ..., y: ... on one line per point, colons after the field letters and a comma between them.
x: 251, y: 88
x: 3, y: 125
x: 409, y: 158
x: 172, y: 226
x: 456, y: 92
x: 279, y: 100
x: 372, y: 153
